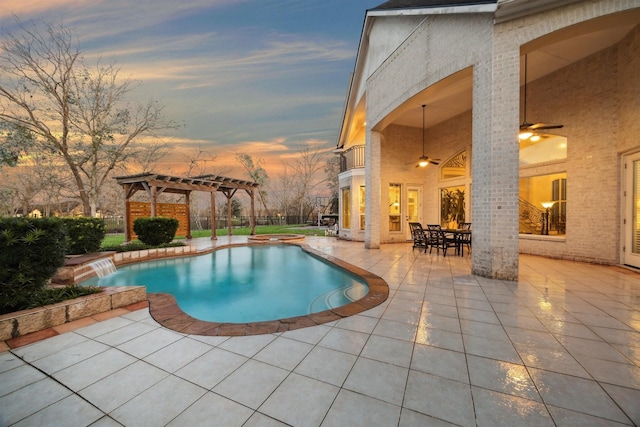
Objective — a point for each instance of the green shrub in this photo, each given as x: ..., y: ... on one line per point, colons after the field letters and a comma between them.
x: 84, y: 235
x: 155, y: 231
x: 31, y: 250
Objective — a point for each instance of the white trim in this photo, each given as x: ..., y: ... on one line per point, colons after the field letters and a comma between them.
x: 481, y: 8
x: 545, y: 238
x: 627, y: 256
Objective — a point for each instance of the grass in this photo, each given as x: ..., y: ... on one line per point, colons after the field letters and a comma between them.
x: 112, y: 240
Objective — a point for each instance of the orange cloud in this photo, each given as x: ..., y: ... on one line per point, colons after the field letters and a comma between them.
x: 33, y: 7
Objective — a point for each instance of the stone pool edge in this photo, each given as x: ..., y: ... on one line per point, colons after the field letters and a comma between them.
x: 165, y: 310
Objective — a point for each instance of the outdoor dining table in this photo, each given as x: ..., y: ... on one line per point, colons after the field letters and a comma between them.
x: 459, y: 236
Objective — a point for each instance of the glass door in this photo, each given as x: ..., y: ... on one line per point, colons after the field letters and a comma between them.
x: 414, y: 208
x: 632, y: 211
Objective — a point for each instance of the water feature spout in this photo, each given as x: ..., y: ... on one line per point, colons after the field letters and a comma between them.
x: 103, y: 267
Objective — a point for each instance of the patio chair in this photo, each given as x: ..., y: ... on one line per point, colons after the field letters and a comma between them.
x: 440, y: 239
x: 465, y: 239
x: 418, y: 236
x: 434, y: 237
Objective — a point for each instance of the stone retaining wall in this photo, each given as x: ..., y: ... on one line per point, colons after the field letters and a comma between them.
x: 24, y: 322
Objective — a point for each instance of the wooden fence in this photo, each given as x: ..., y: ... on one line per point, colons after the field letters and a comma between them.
x: 169, y: 210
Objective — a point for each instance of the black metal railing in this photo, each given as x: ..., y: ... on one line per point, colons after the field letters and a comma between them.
x: 352, y: 158
x: 531, y: 217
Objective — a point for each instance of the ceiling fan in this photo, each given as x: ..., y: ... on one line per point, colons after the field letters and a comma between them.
x: 529, y: 130
x: 424, y: 160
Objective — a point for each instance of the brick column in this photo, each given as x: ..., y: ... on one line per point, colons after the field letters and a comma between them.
x: 495, y: 166
x: 373, y: 208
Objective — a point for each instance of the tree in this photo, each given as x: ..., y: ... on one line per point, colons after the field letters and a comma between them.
x: 222, y: 209
x: 283, y: 192
x: 23, y: 187
x: 13, y: 141
x: 256, y: 173
x: 148, y: 159
x: 306, y: 166
x: 50, y: 97
x: 332, y: 169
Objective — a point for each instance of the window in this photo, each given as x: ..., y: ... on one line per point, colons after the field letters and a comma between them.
x: 452, y: 206
x: 346, y: 208
x: 362, y: 206
x: 456, y: 167
x: 394, y: 207
x: 543, y: 198
x: 543, y: 204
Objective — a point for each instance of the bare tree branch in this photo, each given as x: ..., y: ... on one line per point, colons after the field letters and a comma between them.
x: 76, y: 112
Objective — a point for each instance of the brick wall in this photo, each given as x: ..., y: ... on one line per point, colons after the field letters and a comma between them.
x: 595, y: 98
x: 592, y: 102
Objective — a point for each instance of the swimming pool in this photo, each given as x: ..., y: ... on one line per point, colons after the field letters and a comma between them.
x: 245, y: 283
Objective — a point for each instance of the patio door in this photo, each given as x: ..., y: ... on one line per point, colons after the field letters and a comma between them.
x: 632, y: 211
x: 414, y: 207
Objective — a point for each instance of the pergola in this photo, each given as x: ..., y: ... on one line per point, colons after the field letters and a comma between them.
x: 155, y: 184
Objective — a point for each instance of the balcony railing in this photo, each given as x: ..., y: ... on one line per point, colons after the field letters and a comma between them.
x: 352, y: 158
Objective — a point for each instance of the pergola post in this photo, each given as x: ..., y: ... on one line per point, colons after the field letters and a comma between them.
x: 252, y: 217
x: 127, y: 233
x: 229, y: 232
x: 187, y: 203
x: 213, y: 216
x: 154, y: 200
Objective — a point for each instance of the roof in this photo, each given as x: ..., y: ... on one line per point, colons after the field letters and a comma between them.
x: 176, y: 184
x: 413, y: 4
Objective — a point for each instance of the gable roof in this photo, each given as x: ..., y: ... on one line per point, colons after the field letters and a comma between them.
x: 412, y: 4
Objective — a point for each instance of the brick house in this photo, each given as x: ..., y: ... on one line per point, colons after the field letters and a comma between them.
x: 454, y: 82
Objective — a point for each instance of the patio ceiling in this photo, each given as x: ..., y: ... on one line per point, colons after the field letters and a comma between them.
x: 453, y: 96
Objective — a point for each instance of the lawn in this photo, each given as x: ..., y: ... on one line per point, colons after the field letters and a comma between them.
x: 118, y: 239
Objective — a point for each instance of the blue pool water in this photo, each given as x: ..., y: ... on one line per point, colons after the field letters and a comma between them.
x: 244, y: 284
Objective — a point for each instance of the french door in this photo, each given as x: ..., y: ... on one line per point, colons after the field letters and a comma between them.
x: 414, y: 208
x: 632, y: 211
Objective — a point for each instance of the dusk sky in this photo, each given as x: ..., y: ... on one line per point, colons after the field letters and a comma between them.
x: 254, y: 76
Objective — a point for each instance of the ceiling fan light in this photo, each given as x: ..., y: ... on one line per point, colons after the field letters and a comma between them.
x: 535, y: 138
x: 525, y: 134
x: 423, y: 163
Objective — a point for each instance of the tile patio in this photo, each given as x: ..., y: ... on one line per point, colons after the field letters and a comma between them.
x: 559, y: 347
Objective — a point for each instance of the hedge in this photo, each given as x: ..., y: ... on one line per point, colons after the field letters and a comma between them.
x: 155, y: 231
x: 84, y: 235
x: 31, y: 250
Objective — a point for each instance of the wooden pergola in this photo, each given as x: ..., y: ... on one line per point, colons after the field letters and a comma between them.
x: 155, y: 184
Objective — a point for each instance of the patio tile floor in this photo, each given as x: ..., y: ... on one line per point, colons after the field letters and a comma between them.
x: 559, y: 347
